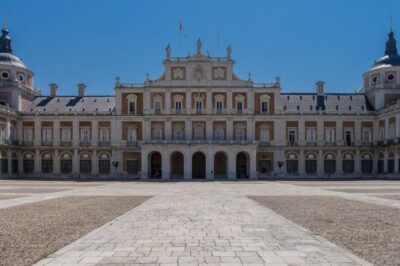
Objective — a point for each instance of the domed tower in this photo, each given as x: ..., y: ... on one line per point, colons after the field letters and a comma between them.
x: 16, y: 80
x: 382, y: 80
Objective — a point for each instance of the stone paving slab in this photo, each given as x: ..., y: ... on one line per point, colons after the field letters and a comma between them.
x: 196, y: 224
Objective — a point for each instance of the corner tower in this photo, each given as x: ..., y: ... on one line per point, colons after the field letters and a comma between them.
x: 382, y: 80
x: 16, y: 80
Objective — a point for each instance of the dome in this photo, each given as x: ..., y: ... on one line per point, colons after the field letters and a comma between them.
x: 10, y: 59
x: 391, y: 57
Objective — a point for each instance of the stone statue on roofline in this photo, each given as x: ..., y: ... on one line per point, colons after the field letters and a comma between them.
x: 168, y: 51
x: 198, y: 47
x: 229, y: 51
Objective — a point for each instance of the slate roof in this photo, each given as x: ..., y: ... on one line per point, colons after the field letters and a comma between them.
x: 294, y: 103
x: 72, y: 104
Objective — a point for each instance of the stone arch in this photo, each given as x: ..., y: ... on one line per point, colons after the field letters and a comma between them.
x: 198, y: 165
x: 381, y: 163
x: 104, y: 161
x: 366, y: 163
x: 311, y: 162
x: 220, y: 165
x: 85, y: 162
x: 155, y: 165
x: 47, y: 162
x: 66, y: 163
x: 28, y: 163
x: 348, y: 163
x: 390, y: 162
x: 177, y: 164
x: 4, y: 162
x: 292, y: 163
x: 329, y: 163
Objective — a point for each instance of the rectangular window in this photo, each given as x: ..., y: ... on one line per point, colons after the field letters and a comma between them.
x: 264, y: 107
x: 198, y: 106
x: 349, y: 137
x: 219, y: 106
x: 292, y: 136
x: 85, y: 134
x: 381, y: 133
x: 330, y: 134
x: 240, y: 134
x: 47, y: 166
x: 104, y: 134
x: 366, y: 135
x: 104, y: 167
x: 132, y: 107
x: 311, y: 134
x: 132, y: 134
x: 178, y: 107
x: 66, y: 166
x: 157, y: 134
x: 178, y: 134
x: 198, y: 133
x: 157, y: 107
x: 264, y: 134
x: 47, y: 134
x: 239, y: 107
x: 265, y: 166
x: 65, y: 134
x: 219, y: 134
x: 28, y: 134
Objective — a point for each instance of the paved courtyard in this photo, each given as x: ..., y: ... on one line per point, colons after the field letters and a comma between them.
x: 194, y: 223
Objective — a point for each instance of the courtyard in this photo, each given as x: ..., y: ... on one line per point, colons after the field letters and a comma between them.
x: 195, y: 223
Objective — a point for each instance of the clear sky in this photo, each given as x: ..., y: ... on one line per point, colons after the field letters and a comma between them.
x: 93, y: 41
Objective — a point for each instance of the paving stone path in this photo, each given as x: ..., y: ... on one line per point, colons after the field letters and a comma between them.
x: 201, y: 223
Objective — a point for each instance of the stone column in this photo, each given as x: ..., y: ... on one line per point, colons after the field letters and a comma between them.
x: 357, y: 163
x: 75, y: 163
x: 320, y: 132
x: 7, y: 130
x: 339, y: 163
x: 301, y: 164
x: 166, y: 165
x: 209, y: 130
x: 250, y: 102
x: 19, y: 131
x: 339, y: 132
x: 144, y: 175
x: 375, y: 133
x: 146, y: 129
x: 320, y: 164
x: 386, y: 131
x: 168, y: 129
x: 398, y: 125
x: 229, y: 102
x: 385, y: 162
x: 9, y: 164
x: 95, y: 165
x: 168, y: 101
x: 187, y: 168
x: 38, y: 164
x: 209, y: 101
x: 147, y: 102
x: 280, y: 132
x: 56, y: 132
x: 302, y: 132
x: 75, y: 132
x: 253, y: 164
x: 20, y: 163
x: 396, y: 162
x: 229, y: 129
x: 231, y: 166
x: 95, y: 133
x: 210, y: 165
x: 250, y: 129
x: 188, y: 102
x: 188, y: 130
x: 37, y: 132
x: 357, y: 132
x: 56, y: 163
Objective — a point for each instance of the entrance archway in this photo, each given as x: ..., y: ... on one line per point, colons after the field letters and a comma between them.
x: 177, y: 165
x: 155, y: 165
x: 199, y: 166
x: 220, y: 165
x: 242, y: 165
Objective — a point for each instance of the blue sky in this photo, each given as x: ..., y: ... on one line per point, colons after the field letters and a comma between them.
x: 67, y: 42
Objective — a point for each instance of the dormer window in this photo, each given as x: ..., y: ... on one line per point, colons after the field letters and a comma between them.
x: 132, y: 100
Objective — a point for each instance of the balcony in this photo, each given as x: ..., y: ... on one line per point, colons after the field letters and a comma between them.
x: 199, y: 111
x: 264, y: 144
x: 27, y: 143
x: 292, y: 143
x: 367, y: 143
x: 47, y: 143
x: 330, y: 143
x: 104, y: 143
x: 311, y: 143
x: 349, y: 143
x: 65, y: 143
x: 132, y: 143
x: 381, y: 143
x: 392, y: 141
x: 85, y: 143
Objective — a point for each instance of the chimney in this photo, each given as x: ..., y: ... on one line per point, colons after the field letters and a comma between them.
x: 320, y: 87
x: 53, y: 89
x: 81, y: 89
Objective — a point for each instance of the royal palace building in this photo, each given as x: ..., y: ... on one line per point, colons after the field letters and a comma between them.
x: 199, y: 120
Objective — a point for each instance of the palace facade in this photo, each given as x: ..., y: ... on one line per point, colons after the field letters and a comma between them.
x: 199, y: 120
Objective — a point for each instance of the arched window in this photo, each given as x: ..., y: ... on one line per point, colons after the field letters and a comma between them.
x: 381, y: 163
x: 330, y: 163
x: 157, y: 103
x: 85, y: 163
x: 390, y: 163
x: 66, y: 163
x: 311, y: 163
x: 47, y: 163
x: 4, y: 162
x: 104, y: 163
x: 366, y: 163
x: 29, y: 163
x: 348, y: 163
x: 292, y: 164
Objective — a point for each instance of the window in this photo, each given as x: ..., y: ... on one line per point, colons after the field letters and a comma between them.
x: 132, y: 107
x: 311, y: 163
x: 330, y: 134
x: 198, y: 107
x: 47, y: 134
x: 2, y: 133
x: 264, y: 134
x: 264, y: 107
x: 366, y: 164
x: 47, y: 163
x: 239, y: 107
x: 132, y: 134
x: 104, y: 164
x: 104, y: 134
x: 348, y: 163
x: 292, y: 164
x: 219, y: 133
x: 381, y: 163
x: 392, y: 131
x: 65, y: 134
x: 330, y: 164
x: 240, y: 133
x: 390, y: 163
x: 157, y: 133
x: 4, y: 165
x: 85, y: 164
x: 28, y: 163
x: 292, y: 136
x: 311, y: 134
x: 382, y: 133
x: 178, y: 107
x: 66, y: 163
x: 28, y: 134
x: 85, y: 134
x: 219, y: 106
x: 178, y: 133
x: 349, y: 137
x: 157, y: 107
x: 14, y: 165
x: 132, y: 167
x: 366, y: 135
x: 199, y: 133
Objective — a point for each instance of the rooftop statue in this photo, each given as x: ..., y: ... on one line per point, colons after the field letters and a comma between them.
x: 198, y: 47
x: 168, y: 51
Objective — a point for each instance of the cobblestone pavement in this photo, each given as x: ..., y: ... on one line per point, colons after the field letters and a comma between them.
x: 195, y: 223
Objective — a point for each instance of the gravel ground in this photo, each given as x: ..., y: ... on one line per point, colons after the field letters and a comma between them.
x: 33, y: 231
x: 383, y: 190
x: 395, y: 197
x: 30, y: 190
x: 369, y: 231
x: 351, y: 183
